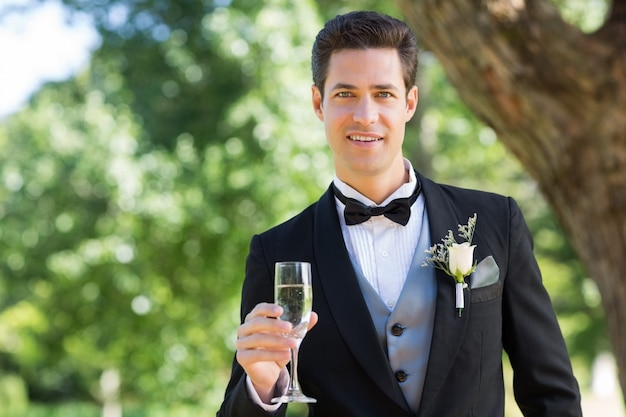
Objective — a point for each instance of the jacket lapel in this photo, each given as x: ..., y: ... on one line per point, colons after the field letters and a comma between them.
x: 449, y: 328
x: 345, y: 299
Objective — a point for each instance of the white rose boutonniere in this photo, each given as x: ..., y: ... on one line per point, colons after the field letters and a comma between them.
x: 455, y: 259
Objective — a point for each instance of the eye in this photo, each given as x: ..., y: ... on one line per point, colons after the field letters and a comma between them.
x: 385, y: 94
x: 344, y: 94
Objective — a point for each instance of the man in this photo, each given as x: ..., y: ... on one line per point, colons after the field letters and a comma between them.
x: 386, y: 338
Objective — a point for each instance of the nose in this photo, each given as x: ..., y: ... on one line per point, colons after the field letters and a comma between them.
x: 365, y: 112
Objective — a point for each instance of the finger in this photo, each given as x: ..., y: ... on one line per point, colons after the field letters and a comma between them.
x: 313, y: 320
x: 263, y: 325
x: 264, y: 310
x: 265, y: 341
x: 254, y: 356
x: 262, y: 347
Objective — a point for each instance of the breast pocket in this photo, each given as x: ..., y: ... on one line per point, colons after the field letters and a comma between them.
x: 488, y: 293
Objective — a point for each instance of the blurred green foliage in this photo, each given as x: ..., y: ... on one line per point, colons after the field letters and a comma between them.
x: 129, y: 195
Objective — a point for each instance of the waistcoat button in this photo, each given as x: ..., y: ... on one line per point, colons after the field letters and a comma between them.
x: 401, y: 376
x: 397, y: 329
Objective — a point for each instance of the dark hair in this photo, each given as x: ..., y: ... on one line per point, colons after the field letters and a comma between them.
x: 363, y: 30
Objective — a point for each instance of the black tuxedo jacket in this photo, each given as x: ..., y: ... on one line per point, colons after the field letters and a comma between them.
x: 342, y: 362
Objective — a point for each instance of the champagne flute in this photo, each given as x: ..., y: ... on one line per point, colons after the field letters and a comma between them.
x: 293, y: 292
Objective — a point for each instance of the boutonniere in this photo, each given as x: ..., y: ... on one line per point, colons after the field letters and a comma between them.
x: 455, y: 259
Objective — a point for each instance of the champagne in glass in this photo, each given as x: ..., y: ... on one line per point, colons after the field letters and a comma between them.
x: 293, y: 292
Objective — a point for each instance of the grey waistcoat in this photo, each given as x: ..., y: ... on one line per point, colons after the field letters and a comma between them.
x: 406, y: 332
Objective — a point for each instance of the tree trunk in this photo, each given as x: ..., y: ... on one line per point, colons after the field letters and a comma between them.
x: 557, y: 99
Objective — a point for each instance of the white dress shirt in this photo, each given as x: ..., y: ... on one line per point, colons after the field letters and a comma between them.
x: 382, y: 248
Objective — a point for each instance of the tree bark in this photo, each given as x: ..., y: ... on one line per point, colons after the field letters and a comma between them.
x: 557, y: 99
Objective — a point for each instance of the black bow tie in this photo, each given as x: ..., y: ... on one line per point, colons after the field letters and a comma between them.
x: 398, y: 210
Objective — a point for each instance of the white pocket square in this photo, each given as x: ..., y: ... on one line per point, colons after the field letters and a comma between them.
x: 486, y: 273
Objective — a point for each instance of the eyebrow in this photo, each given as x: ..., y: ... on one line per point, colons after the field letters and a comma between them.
x: 345, y: 86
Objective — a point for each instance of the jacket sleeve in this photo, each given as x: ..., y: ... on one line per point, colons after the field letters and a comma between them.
x: 544, y: 383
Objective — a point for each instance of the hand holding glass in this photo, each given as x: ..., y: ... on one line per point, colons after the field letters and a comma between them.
x: 293, y: 292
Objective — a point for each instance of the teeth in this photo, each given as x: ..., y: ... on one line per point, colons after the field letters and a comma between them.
x: 364, y: 138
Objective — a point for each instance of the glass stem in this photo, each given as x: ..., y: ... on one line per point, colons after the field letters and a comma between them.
x: 294, y: 385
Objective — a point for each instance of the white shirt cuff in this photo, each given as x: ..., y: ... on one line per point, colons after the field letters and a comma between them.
x: 281, y: 388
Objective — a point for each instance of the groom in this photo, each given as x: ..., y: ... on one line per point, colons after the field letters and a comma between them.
x: 386, y: 338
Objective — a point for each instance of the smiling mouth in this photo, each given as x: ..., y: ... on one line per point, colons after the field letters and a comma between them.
x: 359, y: 138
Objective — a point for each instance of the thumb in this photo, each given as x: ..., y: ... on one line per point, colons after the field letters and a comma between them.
x: 312, y: 320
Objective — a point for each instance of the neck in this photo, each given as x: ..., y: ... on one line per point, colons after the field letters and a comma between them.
x: 378, y: 187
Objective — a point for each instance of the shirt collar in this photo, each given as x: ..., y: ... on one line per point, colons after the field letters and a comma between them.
x: 404, y: 191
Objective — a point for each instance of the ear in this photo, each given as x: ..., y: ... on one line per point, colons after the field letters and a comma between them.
x: 411, y: 102
x: 316, y: 97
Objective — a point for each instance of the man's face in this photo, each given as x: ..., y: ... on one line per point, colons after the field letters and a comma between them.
x: 364, y: 109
